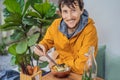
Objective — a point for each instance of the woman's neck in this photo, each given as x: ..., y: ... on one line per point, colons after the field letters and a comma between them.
x: 72, y: 30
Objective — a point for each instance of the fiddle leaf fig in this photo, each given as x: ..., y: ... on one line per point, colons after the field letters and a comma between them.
x: 9, y: 26
x: 21, y: 47
x: 17, y: 35
x: 19, y: 59
x: 17, y: 18
x: 22, y: 16
x: 33, y: 14
x: 51, y: 11
x: 13, y: 60
x: 13, y: 6
x: 26, y: 7
x: 42, y: 8
x: 31, y: 21
x: 12, y: 49
x: 33, y: 39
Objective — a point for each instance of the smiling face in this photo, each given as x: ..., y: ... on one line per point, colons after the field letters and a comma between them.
x: 71, y: 15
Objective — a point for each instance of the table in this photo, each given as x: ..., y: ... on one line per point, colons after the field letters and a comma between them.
x: 72, y: 76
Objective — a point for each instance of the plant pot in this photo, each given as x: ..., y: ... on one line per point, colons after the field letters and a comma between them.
x: 35, y: 76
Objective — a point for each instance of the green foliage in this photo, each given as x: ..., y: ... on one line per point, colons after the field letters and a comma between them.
x: 32, y: 39
x: 44, y: 64
x: 22, y: 17
x: 21, y: 47
x: 12, y: 49
x: 3, y: 46
x: 13, y: 6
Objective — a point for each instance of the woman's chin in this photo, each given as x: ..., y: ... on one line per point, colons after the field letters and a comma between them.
x: 71, y: 27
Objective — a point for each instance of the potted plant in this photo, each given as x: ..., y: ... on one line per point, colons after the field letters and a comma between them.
x: 21, y: 17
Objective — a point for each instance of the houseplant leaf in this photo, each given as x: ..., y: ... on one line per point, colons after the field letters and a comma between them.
x: 19, y: 59
x: 21, y: 47
x: 42, y: 8
x: 26, y: 7
x: 9, y: 26
x: 17, y: 35
x: 22, y: 3
x: 13, y: 6
x: 12, y: 49
x: 43, y: 64
x: 33, y: 39
x: 15, y: 17
x: 30, y: 21
x: 35, y: 1
x: 33, y: 14
x: 51, y: 11
x: 13, y: 60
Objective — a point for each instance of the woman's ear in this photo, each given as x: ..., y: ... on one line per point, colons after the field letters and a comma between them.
x: 58, y: 12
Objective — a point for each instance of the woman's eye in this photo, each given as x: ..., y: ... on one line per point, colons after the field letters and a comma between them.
x: 64, y: 11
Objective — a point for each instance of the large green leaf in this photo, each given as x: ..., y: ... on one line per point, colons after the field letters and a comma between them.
x: 13, y: 60
x: 26, y: 7
x: 45, y: 21
x: 21, y: 47
x: 22, y: 3
x: 12, y: 49
x: 33, y: 39
x: 9, y: 26
x: 42, y: 8
x: 19, y: 59
x: 51, y: 11
x: 35, y: 1
x: 13, y: 6
x: 17, y: 35
x: 15, y: 18
x: 31, y: 21
x: 33, y: 14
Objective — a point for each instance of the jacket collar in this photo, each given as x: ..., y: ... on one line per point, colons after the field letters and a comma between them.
x: 83, y: 22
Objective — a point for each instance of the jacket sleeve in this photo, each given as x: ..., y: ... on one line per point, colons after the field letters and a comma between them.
x: 90, y: 39
x: 48, y: 40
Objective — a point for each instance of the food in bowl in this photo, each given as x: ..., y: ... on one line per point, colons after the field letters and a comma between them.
x: 60, y: 71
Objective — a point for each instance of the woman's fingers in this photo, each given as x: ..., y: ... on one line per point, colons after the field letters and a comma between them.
x: 39, y: 50
x: 55, y: 55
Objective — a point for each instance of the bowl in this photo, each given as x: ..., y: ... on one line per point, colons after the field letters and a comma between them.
x: 60, y: 71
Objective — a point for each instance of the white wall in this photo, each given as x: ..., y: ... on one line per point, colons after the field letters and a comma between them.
x: 106, y: 14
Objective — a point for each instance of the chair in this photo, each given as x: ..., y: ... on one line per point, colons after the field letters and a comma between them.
x: 100, y: 59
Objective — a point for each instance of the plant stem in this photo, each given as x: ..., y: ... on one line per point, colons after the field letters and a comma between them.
x: 40, y: 36
x: 30, y: 56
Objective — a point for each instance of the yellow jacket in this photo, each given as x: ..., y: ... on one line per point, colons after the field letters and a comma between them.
x: 71, y: 51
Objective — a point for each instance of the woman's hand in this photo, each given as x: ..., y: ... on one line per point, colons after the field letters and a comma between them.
x: 40, y: 50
